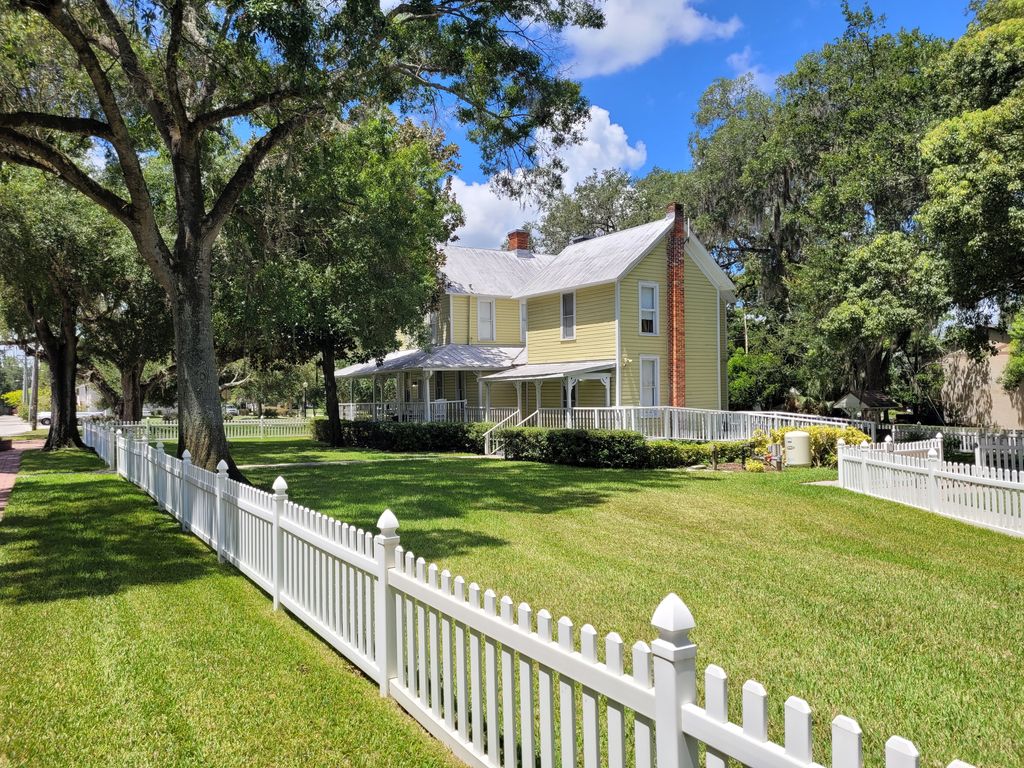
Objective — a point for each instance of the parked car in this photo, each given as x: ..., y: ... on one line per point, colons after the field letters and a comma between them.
x: 43, y: 417
x: 230, y: 410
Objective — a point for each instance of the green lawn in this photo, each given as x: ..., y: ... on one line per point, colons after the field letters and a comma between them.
x: 124, y: 643
x: 296, y: 450
x: 911, y: 623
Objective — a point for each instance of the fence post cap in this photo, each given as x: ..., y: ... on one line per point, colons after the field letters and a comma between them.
x: 888, y: 438
x: 933, y: 454
x: 901, y: 746
x: 186, y: 456
x: 864, y: 444
x: 841, y: 442
x: 938, y: 435
x: 160, y: 446
x: 672, y: 618
x: 118, y: 432
x: 280, y: 486
x: 222, y: 466
x: 387, y: 523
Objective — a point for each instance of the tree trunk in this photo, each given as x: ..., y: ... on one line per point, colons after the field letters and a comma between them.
x: 333, y: 433
x: 200, y: 419
x: 62, y: 356
x: 131, y: 392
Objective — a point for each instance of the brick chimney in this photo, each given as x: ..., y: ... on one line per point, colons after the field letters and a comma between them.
x: 676, y: 324
x: 519, y: 240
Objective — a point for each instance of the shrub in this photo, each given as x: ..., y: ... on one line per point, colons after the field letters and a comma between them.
x: 824, y: 440
x: 270, y: 413
x: 437, y: 436
x: 754, y: 465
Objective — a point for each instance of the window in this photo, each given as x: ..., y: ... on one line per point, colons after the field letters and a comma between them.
x: 522, y: 321
x: 485, y: 319
x: 434, y: 327
x: 648, y: 309
x: 439, y: 385
x: 568, y: 316
x: 649, y: 381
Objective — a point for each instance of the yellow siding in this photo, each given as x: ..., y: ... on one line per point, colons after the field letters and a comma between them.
x: 703, y: 365
x: 465, y: 321
x: 652, y: 268
x: 595, y: 327
x: 724, y: 357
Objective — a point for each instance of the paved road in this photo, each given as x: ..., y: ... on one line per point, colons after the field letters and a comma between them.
x: 12, y: 425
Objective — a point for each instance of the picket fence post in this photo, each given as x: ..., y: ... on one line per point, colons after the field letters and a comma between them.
x: 933, y: 481
x: 263, y: 426
x: 675, y: 682
x: 280, y: 497
x: 186, y: 462
x: 385, y: 642
x: 938, y: 436
x: 220, y: 484
x: 864, y: 474
x: 840, y: 446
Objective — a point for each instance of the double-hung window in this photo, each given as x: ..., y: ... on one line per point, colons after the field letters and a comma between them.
x: 648, y: 309
x: 485, y: 319
x: 522, y: 321
x: 568, y: 316
x: 649, y: 381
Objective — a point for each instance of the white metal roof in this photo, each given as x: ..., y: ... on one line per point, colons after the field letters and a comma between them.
x: 446, y: 357
x: 487, y: 272
x: 540, y: 371
x: 598, y: 260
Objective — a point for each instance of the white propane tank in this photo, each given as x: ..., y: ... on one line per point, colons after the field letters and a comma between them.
x: 798, y: 449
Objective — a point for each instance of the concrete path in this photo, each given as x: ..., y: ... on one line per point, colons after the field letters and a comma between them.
x: 10, y: 461
x: 13, y: 425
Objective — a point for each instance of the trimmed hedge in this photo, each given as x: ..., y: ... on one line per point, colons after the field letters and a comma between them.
x: 612, y: 449
x: 408, y: 436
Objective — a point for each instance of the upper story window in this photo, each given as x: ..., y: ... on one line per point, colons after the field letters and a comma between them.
x: 485, y: 319
x: 522, y: 321
x: 649, y: 309
x: 435, y: 327
x: 568, y: 316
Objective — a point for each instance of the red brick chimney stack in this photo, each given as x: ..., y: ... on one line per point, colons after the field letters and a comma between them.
x: 676, y: 324
x: 519, y: 240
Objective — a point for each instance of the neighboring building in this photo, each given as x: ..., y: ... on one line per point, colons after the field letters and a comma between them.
x: 971, y: 392
x: 870, y: 405
x: 633, y: 318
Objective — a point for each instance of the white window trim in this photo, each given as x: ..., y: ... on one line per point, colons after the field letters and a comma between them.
x: 494, y: 319
x: 523, y: 326
x: 561, y: 315
x: 640, y: 307
x: 657, y: 379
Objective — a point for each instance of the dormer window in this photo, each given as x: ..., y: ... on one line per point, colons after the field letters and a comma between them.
x: 648, y: 309
x: 485, y: 319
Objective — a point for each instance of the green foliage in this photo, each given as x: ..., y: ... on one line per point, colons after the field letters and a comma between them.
x: 975, y: 213
x: 757, y: 381
x: 823, y: 441
x: 407, y: 436
x: 754, y: 465
x: 612, y: 448
x: 1013, y: 375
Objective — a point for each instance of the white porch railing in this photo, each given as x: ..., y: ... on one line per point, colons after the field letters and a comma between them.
x: 984, y: 496
x: 494, y: 443
x: 499, y: 684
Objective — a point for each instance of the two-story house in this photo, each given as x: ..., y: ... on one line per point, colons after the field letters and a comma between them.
x: 633, y: 318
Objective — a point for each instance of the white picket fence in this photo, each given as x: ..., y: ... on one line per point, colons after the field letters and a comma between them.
x: 499, y: 684
x: 988, y: 497
x: 233, y: 429
x: 1000, y: 451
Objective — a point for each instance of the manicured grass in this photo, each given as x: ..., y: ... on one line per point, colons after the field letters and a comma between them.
x: 63, y: 460
x: 296, y: 450
x: 911, y: 623
x: 124, y: 643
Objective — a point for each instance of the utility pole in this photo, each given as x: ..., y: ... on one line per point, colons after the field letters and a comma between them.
x: 35, y: 390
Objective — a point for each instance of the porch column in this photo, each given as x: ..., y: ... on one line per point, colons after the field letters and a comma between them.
x: 400, y: 394
x: 568, y: 403
x: 607, y: 381
x: 480, y: 393
x: 519, y: 399
x: 425, y: 386
x: 536, y: 388
x: 487, y: 392
x: 373, y: 398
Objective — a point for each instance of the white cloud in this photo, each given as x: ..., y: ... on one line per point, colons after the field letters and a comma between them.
x: 636, y: 31
x: 489, y: 217
x: 742, y: 63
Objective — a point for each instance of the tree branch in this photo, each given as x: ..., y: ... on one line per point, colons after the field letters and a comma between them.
x: 171, y: 64
x: 244, y: 175
x: 40, y: 155
x: 83, y: 126
x: 214, y: 116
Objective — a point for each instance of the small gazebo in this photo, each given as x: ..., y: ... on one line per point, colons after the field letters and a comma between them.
x: 870, y: 405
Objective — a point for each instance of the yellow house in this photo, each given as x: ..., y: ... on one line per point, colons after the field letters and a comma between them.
x: 632, y: 318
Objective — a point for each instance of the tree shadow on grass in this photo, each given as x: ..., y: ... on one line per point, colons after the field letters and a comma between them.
x: 73, y: 536
x: 450, y: 489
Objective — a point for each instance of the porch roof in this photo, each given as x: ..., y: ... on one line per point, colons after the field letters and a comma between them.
x: 544, y: 371
x: 448, y: 357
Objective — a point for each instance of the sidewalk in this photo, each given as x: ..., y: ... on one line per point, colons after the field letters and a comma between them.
x: 10, y: 461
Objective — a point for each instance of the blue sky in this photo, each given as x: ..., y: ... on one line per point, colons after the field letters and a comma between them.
x: 645, y: 72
